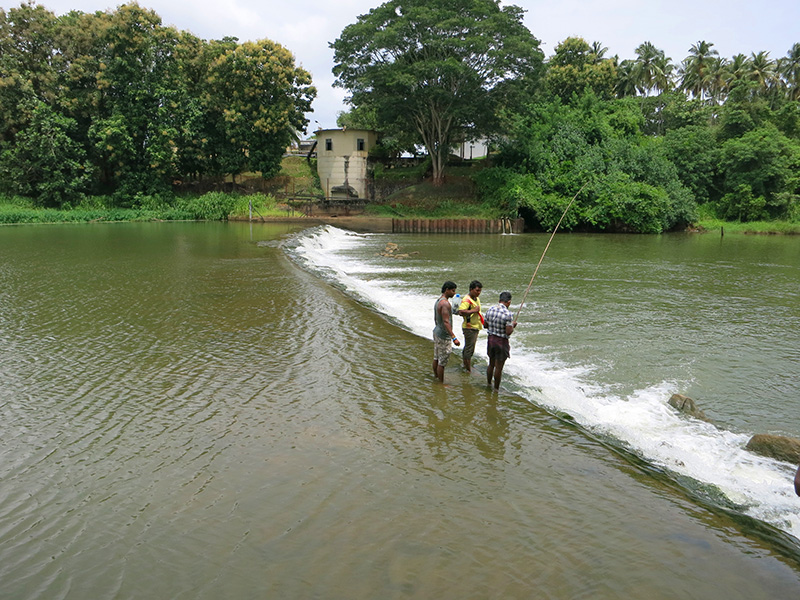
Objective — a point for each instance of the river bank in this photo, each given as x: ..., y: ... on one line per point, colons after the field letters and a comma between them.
x: 14, y: 211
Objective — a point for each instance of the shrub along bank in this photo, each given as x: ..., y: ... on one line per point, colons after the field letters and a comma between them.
x: 213, y: 206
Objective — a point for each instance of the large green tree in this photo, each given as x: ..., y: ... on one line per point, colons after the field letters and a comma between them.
x: 141, y: 95
x: 440, y: 68
x: 576, y: 66
x: 256, y: 98
x: 45, y: 162
x: 27, y: 74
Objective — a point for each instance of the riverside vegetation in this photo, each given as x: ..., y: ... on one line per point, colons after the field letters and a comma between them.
x: 112, y: 116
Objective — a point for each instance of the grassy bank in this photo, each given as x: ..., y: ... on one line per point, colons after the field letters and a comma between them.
x: 295, y: 173
x: 426, y: 201
x: 213, y: 206
x: 457, y: 198
x: 754, y: 227
x: 404, y: 191
x: 421, y: 201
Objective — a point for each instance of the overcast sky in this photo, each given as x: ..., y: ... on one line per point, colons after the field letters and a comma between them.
x: 306, y: 27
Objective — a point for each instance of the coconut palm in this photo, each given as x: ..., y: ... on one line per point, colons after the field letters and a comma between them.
x: 762, y: 70
x: 738, y: 69
x: 626, y: 81
x: 763, y: 73
x: 789, y: 69
x: 662, y: 72
x: 716, y: 79
x: 597, y: 52
x: 694, y: 69
x: 653, y: 70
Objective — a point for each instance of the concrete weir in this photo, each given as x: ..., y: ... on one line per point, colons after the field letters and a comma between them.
x: 458, y: 225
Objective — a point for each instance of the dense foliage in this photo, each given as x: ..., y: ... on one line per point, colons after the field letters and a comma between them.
x: 556, y: 149
x: 209, y: 206
x: 724, y: 140
x: 116, y: 107
x: 647, y: 141
x: 440, y: 68
x: 637, y: 181
x: 115, y: 103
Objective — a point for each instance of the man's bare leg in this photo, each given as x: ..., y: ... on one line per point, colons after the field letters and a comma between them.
x: 498, y: 373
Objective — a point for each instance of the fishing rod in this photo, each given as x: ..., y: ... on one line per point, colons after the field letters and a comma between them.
x: 519, y: 310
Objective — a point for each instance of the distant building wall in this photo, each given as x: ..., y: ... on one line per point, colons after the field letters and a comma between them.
x: 473, y: 149
x: 342, y: 160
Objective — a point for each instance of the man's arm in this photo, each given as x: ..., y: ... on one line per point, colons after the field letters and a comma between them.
x: 510, y: 327
x: 465, y: 312
x: 446, y: 309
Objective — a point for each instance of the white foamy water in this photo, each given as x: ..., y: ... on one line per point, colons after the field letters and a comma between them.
x: 641, y: 422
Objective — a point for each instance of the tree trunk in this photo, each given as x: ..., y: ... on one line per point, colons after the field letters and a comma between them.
x: 435, y: 133
x: 438, y: 169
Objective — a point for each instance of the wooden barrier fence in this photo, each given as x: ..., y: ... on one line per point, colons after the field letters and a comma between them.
x: 458, y: 225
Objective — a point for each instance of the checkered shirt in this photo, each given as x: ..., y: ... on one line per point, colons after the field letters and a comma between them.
x: 496, y: 319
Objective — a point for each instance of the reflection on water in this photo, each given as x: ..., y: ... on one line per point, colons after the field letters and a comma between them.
x: 187, y: 414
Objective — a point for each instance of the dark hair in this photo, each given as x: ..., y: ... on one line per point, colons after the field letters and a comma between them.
x: 475, y: 284
x: 448, y: 285
x: 505, y: 296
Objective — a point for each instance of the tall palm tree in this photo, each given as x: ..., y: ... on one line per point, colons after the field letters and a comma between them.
x: 663, y: 72
x: 763, y: 72
x: 762, y: 69
x: 738, y: 69
x: 694, y: 69
x: 716, y: 79
x: 789, y: 69
x: 653, y: 69
x: 626, y: 82
x: 597, y: 52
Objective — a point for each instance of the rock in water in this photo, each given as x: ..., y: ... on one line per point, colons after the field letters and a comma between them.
x: 686, y: 405
x: 776, y: 446
x: 797, y: 482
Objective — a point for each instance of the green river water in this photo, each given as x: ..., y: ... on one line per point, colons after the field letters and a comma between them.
x: 207, y: 411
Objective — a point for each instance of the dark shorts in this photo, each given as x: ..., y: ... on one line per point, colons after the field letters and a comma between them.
x: 498, y: 347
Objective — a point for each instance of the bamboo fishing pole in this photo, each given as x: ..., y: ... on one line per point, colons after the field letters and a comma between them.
x: 536, y: 270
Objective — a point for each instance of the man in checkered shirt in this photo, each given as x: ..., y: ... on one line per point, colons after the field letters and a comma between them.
x: 499, y: 324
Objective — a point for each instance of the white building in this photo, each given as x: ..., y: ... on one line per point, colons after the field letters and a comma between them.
x: 342, y: 161
x: 473, y: 149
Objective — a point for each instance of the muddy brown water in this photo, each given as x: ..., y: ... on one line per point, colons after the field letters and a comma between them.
x: 185, y: 412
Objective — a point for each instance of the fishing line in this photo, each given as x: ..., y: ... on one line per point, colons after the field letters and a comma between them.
x: 536, y: 270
